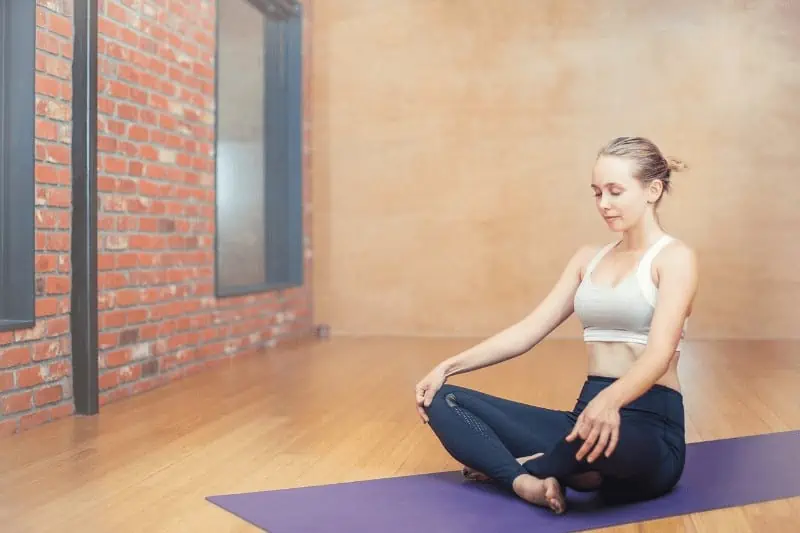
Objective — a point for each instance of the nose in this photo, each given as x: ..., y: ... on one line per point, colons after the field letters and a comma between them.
x: 603, y: 201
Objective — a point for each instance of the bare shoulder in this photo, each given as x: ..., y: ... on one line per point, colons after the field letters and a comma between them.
x: 677, y: 260
x: 678, y: 254
x: 582, y: 257
x: 573, y: 272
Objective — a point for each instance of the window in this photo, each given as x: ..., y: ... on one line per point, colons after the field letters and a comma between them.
x: 259, y: 139
x: 17, y: 108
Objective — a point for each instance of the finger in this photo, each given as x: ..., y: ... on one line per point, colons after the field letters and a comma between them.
x: 420, y: 397
x: 585, y: 429
x: 602, y: 442
x: 420, y: 393
x: 588, y: 443
x: 574, y: 433
x: 612, y: 443
x: 429, y: 394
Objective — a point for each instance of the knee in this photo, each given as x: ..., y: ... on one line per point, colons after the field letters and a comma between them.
x: 447, y: 394
x: 442, y: 415
x: 440, y: 395
x: 444, y: 398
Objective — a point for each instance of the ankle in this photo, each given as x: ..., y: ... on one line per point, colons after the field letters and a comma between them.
x: 523, y: 482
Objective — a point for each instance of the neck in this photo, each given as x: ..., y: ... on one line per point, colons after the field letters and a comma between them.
x: 643, y: 234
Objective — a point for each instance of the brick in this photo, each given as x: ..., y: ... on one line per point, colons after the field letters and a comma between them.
x: 129, y: 336
x: 57, y: 284
x: 29, y: 377
x: 49, y: 350
x: 60, y: 411
x: 58, y: 370
x: 11, y: 357
x: 15, y: 403
x: 48, y: 395
x: 109, y: 380
x: 34, y: 419
x: 6, y: 381
x: 117, y: 358
x: 57, y: 326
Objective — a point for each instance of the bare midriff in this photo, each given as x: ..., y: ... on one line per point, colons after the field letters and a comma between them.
x: 614, y: 359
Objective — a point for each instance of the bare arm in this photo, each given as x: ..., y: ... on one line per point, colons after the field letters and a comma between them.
x: 678, y: 281
x: 517, y: 339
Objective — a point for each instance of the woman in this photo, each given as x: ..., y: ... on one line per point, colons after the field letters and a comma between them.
x: 625, y: 436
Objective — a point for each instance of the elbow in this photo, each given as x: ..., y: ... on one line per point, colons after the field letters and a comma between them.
x: 658, y: 360
x: 517, y: 340
x: 517, y: 346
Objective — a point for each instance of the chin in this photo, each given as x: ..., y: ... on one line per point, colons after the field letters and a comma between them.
x: 615, y: 224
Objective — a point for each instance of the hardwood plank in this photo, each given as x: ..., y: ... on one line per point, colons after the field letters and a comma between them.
x: 342, y: 410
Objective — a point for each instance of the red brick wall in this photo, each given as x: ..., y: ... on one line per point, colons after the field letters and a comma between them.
x: 35, y: 383
x: 159, y: 319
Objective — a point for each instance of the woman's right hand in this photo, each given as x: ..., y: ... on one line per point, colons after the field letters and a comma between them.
x: 426, y: 389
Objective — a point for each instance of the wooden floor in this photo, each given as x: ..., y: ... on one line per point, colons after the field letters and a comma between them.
x: 341, y: 410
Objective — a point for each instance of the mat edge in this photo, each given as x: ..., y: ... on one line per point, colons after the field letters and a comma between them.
x: 457, y: 472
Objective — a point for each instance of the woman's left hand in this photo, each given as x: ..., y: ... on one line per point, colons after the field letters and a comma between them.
x: 598, y: 426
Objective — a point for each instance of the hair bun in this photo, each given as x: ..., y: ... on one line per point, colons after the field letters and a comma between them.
x: 675, y: 165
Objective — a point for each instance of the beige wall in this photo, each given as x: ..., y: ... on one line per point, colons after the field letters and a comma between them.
x: 453, y: 145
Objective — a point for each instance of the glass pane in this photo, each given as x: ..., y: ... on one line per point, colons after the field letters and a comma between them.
x: 240, y: 145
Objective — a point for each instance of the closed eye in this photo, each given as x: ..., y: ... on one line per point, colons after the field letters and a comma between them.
x: 598, y: 194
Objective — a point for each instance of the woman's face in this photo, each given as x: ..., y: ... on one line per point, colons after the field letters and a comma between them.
x: 621, y: 198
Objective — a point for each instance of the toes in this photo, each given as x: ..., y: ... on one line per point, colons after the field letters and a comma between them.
x: 554, y: 496
x: 473, y: 475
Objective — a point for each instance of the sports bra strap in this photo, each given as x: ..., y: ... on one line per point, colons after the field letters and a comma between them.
x: 598, y: 256
x: 647, y: 259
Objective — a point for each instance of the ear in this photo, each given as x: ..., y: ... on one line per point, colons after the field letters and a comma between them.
x: 654, y: 191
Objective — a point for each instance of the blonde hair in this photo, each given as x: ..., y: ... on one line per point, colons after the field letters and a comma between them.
x: 650, y: 163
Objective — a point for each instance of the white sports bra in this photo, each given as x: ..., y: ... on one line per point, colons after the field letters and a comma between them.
x: 621, y: 313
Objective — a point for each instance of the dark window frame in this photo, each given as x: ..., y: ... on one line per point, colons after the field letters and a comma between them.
x: 283, y: 151
x: 83, y: 248
x: 17, y: 152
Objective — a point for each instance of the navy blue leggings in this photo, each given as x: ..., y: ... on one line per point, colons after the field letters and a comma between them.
x: 488, y: 434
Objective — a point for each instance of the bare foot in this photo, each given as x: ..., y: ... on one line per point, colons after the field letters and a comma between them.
x: 474, y: 475
x: 541, y: 492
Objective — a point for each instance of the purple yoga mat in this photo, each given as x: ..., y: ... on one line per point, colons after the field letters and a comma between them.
x: 719, y: 473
